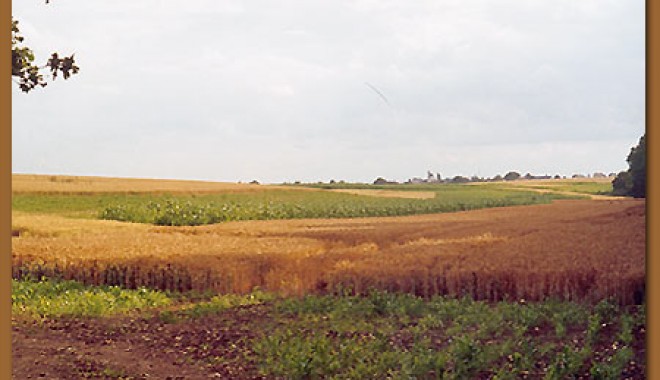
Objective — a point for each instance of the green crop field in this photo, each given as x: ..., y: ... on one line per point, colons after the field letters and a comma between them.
x: 596, y: 188
x: 199, y: 209
x: 581, y: 187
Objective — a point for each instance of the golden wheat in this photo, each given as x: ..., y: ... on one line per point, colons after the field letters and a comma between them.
x: 58, y: 184
x: 574, y: 250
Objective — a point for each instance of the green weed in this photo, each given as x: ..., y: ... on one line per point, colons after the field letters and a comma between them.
x: 53, y: 298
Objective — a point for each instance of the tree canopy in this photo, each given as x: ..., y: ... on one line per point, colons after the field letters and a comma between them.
x: 510, y: 176
x: 633, y: 181
x: 29, y: 75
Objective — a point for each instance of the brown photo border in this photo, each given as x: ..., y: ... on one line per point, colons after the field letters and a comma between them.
x: 653, y: 188
x: 5, y: 194
x: 652, y: 263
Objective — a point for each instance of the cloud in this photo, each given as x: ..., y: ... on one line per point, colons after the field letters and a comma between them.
x: 264, y: 86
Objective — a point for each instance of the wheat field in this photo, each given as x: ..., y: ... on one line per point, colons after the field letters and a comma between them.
x: 572, y: 250
x: 60, y: 184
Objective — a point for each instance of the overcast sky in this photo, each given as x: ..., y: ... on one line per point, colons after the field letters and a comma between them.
x: 308, y: 90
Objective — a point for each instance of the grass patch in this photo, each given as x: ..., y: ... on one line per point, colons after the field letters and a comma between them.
x: 579, y: 187
x: 55, y: 298
x: 214, y: 305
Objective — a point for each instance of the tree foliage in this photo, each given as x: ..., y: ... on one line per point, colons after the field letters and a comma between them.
x: 510, y: 176
x: 633, y: 181
x: 29, y: 75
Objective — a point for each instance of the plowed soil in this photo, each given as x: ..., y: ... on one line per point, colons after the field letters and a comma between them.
x: 138, y: 348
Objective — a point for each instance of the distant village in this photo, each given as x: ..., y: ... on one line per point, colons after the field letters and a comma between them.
x: 510, y: 176
x: 436, y: 178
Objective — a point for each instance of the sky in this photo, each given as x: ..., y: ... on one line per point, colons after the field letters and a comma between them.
x: 304, y: 90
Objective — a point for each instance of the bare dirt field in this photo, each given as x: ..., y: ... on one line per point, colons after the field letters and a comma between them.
x: 135, y: 348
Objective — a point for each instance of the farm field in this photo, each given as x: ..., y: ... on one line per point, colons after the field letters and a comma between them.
x: 377, y: 287
x: 179, y: 208
x: 261, y: 336
x: 599, y: 189
x: 57, y: 184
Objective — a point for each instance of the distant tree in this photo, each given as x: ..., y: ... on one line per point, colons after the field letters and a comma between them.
x: 633, y: 181
x: 332, y: 181
x: 622, y: 183
x: 637, y: 161
x: 529, y: 176
x: 460, y: 179
x: 510, y: 176
x: 557, y: 176
x: 380, y: 181
x: 254, y: 182
x: 497, y: 178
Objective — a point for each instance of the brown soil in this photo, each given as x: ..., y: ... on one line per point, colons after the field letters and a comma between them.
x: 137, y: 348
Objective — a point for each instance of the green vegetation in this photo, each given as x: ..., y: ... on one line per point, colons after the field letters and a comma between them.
x: 193, y: 210
x: 587, y: 187
x: 73, y: 205
x: 53, y: 298
x: 395, y: 336
x: 293, y: 205
x: 214, y: 305
x: 380, y: 335
x: 633, y: 181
